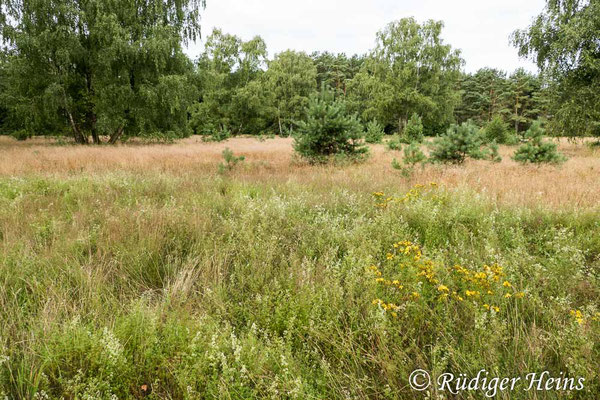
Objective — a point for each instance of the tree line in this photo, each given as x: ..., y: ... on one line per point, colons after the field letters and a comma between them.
x: 99, y: 70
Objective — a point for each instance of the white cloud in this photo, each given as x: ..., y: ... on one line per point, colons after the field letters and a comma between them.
x: 480, y: 28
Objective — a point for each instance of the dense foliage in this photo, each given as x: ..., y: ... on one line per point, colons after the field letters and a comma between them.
x: 411, y: 70
x: 459, y: 143
x: 536, y: 150
x: 99, y: 68
x: 102, y: 69
x: 518, y: 99
x: 563, y: 40
x: 328, y: 130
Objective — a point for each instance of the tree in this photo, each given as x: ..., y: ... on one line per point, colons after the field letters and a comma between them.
x: 374, y: 132
x: 3, y: 90
x: 410, y: 71
x: 563, y: 40
x: 413, y: 130
x: 536, y: 150
x: 287, y: 85
x: 484, y: 95
x: 100, y: 67
x: 328, y: 130
x: 458, y: 143
x: 226, y: 68
x: 526, y: 104
x: 336, y: 70
x: 497, y: 132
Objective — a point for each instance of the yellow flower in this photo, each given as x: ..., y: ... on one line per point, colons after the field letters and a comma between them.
x: 519, y: 295
x: 415, y: 295
x: 486, y: 306
x: 396, y: 282
x: 495, y: 308
x: 394, y: 315
x: 506, y: 284
x: 578, y: 315
x: 379, y: 280
x: 443, y: 288
x: 508, y: 295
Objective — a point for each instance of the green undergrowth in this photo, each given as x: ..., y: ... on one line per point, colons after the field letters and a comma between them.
x: 118, y: 287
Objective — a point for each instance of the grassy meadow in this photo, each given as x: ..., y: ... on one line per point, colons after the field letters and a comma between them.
x: 142, y: 271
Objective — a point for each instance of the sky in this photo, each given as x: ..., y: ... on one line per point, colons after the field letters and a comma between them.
x: 480, y: 28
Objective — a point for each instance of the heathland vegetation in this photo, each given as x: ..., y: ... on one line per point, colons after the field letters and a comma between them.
x: 145, y: 270
x: 311, y: 226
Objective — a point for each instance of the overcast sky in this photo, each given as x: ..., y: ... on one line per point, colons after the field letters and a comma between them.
x: 480, y: 28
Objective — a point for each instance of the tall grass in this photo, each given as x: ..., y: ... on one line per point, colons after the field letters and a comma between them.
x: 162, y: 286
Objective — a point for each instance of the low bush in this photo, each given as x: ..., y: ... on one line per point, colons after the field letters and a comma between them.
x: 21, y: 135
x: 230, y: 161
x: 413, y: 131
x: 496, y: 131
x: 412, y: 156
x: 459, y: 143
x: 536, y: 150
x: 374, y: 132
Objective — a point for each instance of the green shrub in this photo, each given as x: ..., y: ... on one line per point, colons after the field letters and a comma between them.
x: 374, y: 132
x: 536, y: 150
x: 219, y: 135
x: 497, y: 131
x: 230, y: 161
x: 412, y: 156
x: 21, y: 135
x: 494, y: 155
x: 459, y: 143
x: 395, y: 143
x: 413, y: 131
x: 328, y: 130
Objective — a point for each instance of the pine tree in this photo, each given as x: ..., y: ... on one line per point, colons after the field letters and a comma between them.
x: 374, y: 132
x: 458, y: 143
x: 536, y: 150
x: 496, y: 131
x: 328, y: 130
x: 413, y: 131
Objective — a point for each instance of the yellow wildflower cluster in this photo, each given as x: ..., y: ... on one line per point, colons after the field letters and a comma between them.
x: 383, y: 201
x: 581, y: 319
x: 485, y: 283
x: 417, y: 276
x: 388, y: 307
x: 427, y: 271
x: 578, y: 316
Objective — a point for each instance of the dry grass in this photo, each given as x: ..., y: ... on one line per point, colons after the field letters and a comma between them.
x: 574, y: 184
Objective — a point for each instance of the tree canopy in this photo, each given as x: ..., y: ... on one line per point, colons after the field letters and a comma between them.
x: 410, y: 70
x: 563, y: 40
x: 100, y: 67
x: 105, y: 70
